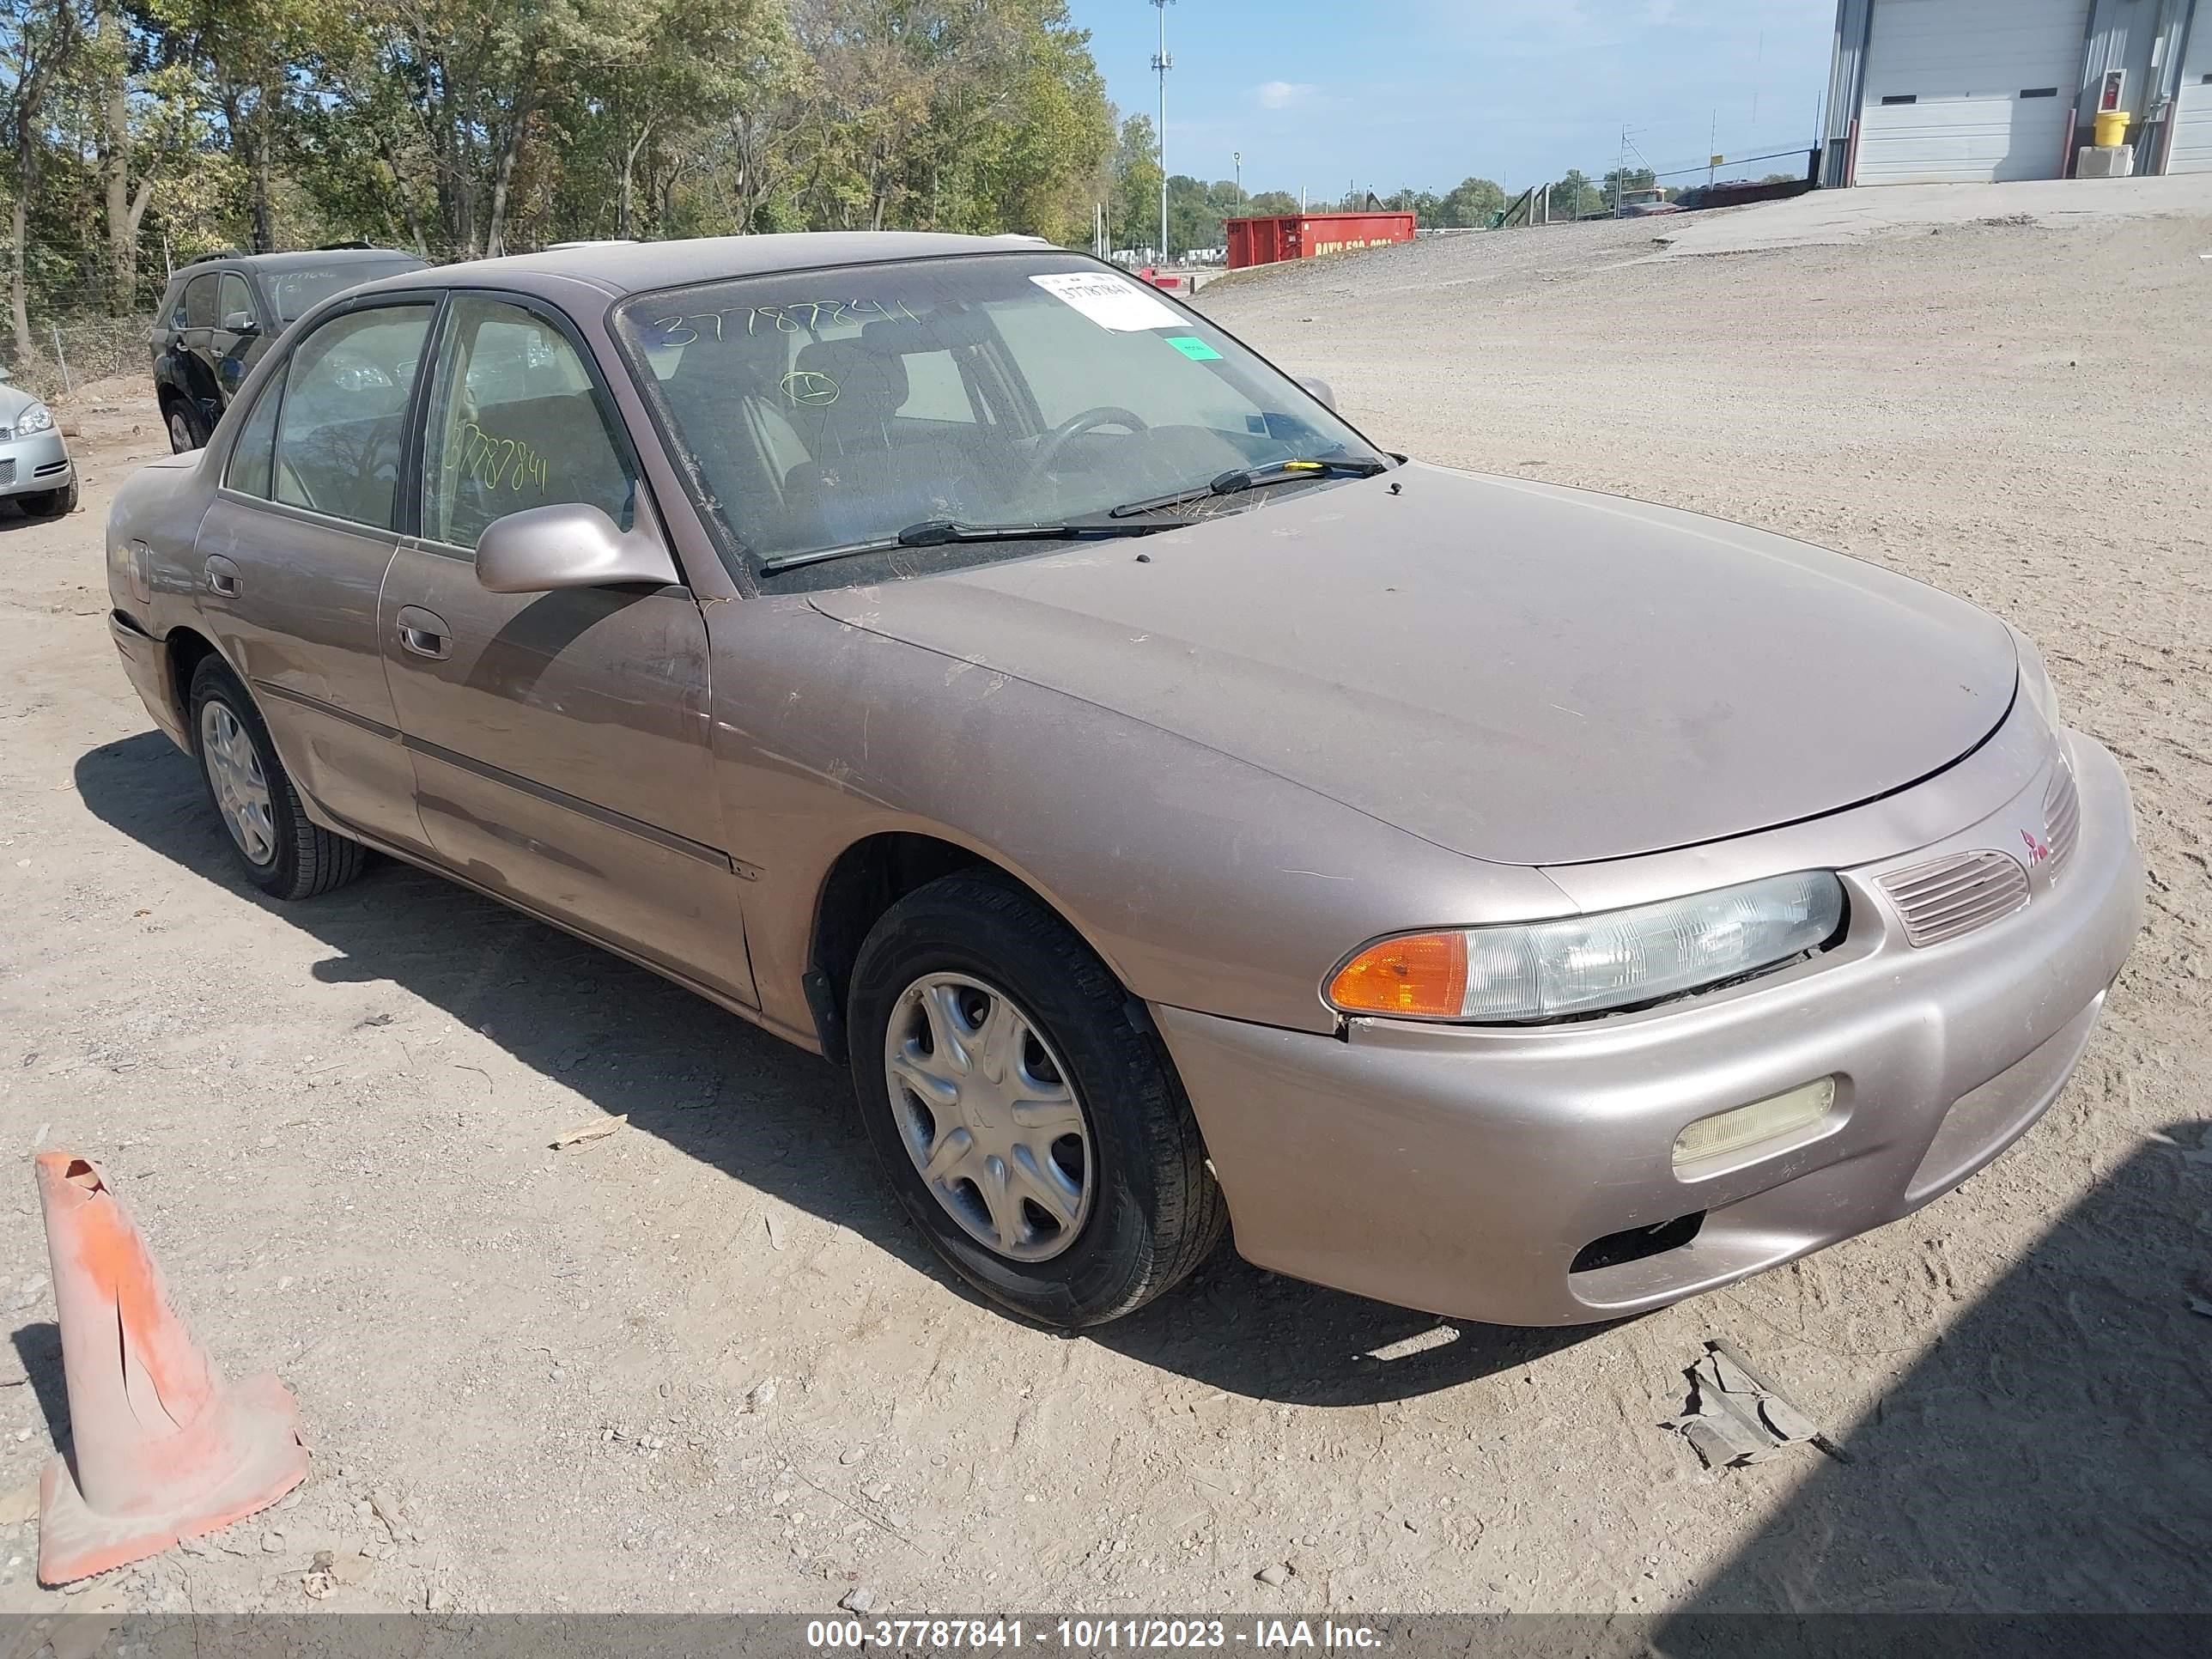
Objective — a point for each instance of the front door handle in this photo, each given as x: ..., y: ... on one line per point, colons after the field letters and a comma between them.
x: 424, y: 632
x: 221, y: 576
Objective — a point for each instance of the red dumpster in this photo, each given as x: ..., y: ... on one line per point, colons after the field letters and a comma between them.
x: 1264, y: 241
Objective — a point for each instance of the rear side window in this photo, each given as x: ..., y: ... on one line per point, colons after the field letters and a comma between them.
x: 341, y: 426
x: 514, y: 425
x: 252, y: 461
x: 200, y: 305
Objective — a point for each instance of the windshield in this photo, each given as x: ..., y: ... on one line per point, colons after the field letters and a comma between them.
x: 298, y: 290
x: 823, y: 411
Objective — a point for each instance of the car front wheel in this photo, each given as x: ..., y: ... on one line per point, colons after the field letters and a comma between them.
x: 1024, y: 1107
x: 50, y: 503
x: 282, y: 850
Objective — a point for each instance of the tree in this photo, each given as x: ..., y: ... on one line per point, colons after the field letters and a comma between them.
x: 1271, y: 203
x: 1135, y: 203
x: 469, y: 127
x: 40, y: 40
x: 1471, y: 204
x: 1576, y: 198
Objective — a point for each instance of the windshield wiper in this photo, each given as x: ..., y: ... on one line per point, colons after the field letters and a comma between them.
x: 944, y: 533
x: 1237, y: 481
x: 940, y: 532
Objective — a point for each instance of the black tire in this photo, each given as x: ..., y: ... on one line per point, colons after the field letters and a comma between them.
x: 304, y: 859
x: 50, y: 503
x: 187, y: 431
x: 1154, y: 1210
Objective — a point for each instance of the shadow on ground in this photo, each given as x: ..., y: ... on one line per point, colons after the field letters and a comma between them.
x: 734, y: 1097
x: 2050, y: 1456
x: 38, y: 1351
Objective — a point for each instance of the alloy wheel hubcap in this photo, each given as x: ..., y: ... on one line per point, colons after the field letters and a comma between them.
x: 241, y: 788
x: 180, y: 433
x: 985, y: 1109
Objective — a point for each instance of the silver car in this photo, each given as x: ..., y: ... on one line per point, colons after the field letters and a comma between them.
x: 36, y: 473
x: 1178, y: 812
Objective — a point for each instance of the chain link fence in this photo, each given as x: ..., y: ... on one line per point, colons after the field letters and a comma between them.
x: 67, y: 354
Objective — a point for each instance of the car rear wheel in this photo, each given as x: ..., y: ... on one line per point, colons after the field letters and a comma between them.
x: 50, y: 503
x: 185, y: 429
x: 282, y: 850
x: 1024, y: 1108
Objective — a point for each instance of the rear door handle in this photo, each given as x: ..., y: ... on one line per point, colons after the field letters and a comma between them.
x: 221, y: 576
x: 424, y: 632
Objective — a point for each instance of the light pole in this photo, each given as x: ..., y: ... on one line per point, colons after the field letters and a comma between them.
x: 1162, y: 64
x: 1236, y: 159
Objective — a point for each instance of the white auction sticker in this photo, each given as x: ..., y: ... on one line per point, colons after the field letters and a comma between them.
x: 1113, y: 302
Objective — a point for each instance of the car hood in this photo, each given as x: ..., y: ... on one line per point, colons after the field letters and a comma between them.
x: 14, y: 400
x: 1520, y: 672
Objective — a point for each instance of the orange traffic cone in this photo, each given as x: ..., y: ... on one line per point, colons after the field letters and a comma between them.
x: 164, y: 1449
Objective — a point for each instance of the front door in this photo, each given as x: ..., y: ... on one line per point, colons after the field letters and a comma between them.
x: 294, y: 553
x: 560, y: 739
x: 231, y: 341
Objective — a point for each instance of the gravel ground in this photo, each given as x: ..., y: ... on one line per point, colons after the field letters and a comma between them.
x: 701, y: 1364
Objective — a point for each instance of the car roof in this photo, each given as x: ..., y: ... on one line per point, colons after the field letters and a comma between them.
x: 302, y: 259
x: 318, y: 257
x: 621, y: 268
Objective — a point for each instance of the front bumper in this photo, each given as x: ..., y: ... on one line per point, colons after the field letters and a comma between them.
x: 35, y: 465
x: 1463, y: 1170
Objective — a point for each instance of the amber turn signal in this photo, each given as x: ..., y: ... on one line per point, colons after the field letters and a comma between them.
x: 1420, y: 975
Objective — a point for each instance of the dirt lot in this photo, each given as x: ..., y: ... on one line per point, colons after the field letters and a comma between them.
x: 702, y: 1364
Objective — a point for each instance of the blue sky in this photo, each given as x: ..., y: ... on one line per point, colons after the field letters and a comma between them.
x: 1320, y: 92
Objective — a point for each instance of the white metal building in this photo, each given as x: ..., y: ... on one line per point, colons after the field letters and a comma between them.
x: 1938, y: 91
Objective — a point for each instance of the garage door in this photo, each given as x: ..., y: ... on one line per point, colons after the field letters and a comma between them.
x: 1970, y: 90
x: 2192, y: 126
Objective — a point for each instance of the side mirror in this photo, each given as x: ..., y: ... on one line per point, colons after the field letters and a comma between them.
x: 240, y: 322
x: 1322, y: 391
x: 569, y: 545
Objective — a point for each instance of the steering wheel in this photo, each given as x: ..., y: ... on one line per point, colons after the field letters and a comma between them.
x: 1056, y: 442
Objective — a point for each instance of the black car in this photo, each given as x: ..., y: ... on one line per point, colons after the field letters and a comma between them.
x: 221, y: 312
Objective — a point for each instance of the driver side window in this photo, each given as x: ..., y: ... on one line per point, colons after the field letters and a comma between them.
x: 340, y: 425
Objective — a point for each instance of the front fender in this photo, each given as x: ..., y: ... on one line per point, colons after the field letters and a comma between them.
x: 1203, y: 881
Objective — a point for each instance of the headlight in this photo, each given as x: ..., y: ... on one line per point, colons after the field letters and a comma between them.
x: 2035, y: 681
x: 37, y: 418
x: 1581, y: 964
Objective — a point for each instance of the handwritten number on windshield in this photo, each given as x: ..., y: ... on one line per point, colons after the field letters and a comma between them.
x: 800, y: 317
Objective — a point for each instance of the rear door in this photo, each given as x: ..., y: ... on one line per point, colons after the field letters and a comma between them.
x: 560, y: 739
x: 194, y: 349
x: 294, y: 552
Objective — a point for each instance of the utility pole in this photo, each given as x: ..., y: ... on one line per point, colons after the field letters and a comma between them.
x: 1162, y: 63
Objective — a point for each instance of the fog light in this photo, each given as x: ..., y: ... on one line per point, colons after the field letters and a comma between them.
x: 1748, y: 1126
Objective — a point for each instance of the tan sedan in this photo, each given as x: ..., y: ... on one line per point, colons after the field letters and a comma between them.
x: 961, y: 659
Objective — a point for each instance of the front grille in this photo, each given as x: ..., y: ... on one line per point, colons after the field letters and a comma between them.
x: 8, y: 471
x: 1955, y: 896
x: 2062, y: 819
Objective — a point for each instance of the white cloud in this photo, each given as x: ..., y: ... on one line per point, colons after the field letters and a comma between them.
x: 1282, y: 95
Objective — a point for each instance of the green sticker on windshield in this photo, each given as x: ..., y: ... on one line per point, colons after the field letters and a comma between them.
x: 1193, y: 348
